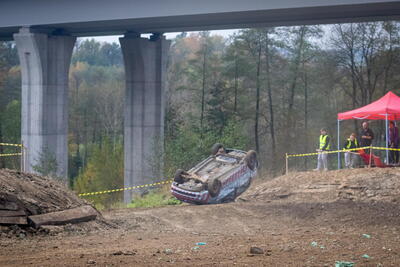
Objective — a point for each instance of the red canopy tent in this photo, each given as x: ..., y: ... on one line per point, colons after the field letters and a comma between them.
x: 385, y: 108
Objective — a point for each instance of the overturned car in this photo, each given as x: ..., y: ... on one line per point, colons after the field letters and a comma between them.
x: 220, y: 178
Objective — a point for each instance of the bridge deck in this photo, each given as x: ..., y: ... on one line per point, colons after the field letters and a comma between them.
x: 104, y: 17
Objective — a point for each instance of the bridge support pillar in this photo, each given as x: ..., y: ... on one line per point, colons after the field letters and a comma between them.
x: 145, y: 74
x: 45, y: 61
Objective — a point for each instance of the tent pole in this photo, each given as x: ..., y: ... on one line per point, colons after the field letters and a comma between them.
x: 338, y: 144
x: 387, y: 141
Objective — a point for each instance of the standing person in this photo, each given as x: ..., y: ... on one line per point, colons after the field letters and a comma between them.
x: 393, y: 142
x: 324, y: 145
x: 350, y: 156
x: 366, y: 136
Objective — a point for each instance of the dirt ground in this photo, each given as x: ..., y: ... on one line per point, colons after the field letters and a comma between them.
x: 302, y: 219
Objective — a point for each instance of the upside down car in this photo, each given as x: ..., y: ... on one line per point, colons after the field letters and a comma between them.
x: 220, y: 178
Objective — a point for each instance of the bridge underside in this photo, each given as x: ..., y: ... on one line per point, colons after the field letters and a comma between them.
x: 162, y: 22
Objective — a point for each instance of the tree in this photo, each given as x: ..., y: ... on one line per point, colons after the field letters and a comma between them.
x: 218, y: 114
x: 47, y: 164
x: 96, y: 97
x: 10, y: 91
x: 110, y: 54
x: 104, y: 171
x: 204, y: 70
x: 95, y: 53
x: 87, y: 51
x: 252, y: 40
x: 366, y: 52
x: 300, y: 50
x: 268, y: 58
x: 11, y: 122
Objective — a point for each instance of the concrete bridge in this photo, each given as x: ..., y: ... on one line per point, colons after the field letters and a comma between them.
x: 45, y: 32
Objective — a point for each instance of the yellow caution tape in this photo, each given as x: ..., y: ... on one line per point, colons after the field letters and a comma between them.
x: 12, y: 154
x: 7, y: 144
x: 340, y: 151
x: 124, y: 189
x: 384, y: 148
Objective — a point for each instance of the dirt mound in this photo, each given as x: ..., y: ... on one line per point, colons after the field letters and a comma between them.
x: 356, y: 184
x: 31, y: 204
x: 34, y: 194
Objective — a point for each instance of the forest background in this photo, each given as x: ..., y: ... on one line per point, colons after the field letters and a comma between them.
x: 267, y: 89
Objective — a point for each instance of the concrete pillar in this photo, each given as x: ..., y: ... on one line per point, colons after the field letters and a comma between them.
x: 145, y: 73
x: 45, y: 61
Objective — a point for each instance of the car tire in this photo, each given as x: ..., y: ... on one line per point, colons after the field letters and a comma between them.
x: 251, y: 160
x: 215, y: 148
x: 214, y: 187
x: 178, y: 176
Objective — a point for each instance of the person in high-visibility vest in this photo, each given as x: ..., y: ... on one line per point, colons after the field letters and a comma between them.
x: 324, y: 145
x: 350, y: 157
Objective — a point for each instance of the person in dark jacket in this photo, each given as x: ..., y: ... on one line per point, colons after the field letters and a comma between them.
x: 350, y: 157
x: 393, y: 142
x: 366, y: 135
x: 324, y: 145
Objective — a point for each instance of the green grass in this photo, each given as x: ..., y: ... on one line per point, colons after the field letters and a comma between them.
x: 153, y: 199
x: 156, y: 198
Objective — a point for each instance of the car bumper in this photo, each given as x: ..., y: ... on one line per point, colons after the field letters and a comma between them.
x: 201, y: 197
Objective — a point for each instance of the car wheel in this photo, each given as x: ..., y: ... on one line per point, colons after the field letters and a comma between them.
x: 214, y: 187
x: 178, y: 176
x: 215, y: 148
x: 251, y: 160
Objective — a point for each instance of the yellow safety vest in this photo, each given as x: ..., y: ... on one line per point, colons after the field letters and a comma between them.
x: 322, y: 142
x: 349, y: 143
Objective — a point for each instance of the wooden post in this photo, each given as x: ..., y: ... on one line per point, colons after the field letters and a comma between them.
x: 24, y: 149
x: 25, y: 154
x: 287, y: 164
x: 370, y: 156
x: 339, y: 159
x: 22, y: 157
